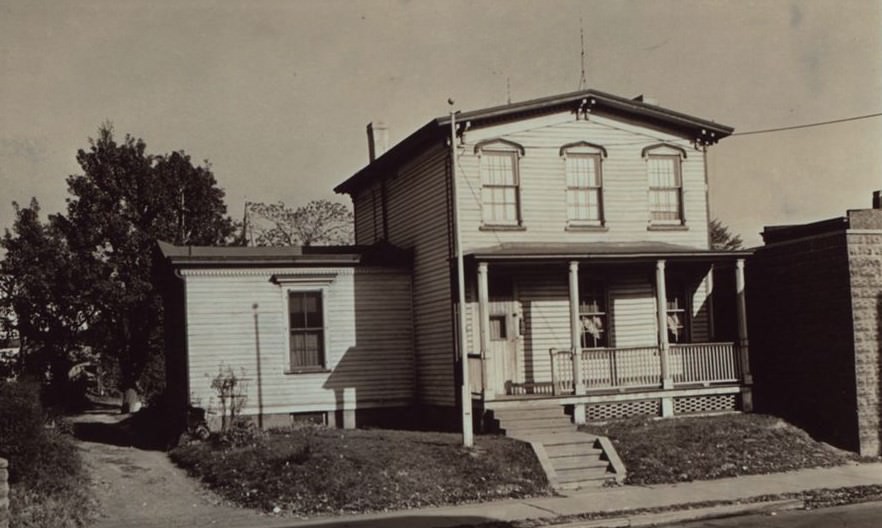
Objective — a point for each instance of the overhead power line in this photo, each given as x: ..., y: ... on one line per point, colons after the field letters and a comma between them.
x: 807, y: 125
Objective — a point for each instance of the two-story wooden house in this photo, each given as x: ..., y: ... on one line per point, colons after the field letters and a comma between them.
x: 589, y: 276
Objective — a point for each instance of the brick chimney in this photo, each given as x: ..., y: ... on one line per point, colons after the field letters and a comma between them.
x: 877, y: 199
x: 378, y: 139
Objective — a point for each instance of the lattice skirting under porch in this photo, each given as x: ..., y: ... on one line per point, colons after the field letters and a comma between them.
x: 683, y: 405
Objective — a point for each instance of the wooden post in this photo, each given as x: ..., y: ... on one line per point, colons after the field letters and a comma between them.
x: 662, y: 303
x: 465, y: 389
x: 576, y: 342
x: 741, y: 313
x: 349, y: 406
x: 489, y: 373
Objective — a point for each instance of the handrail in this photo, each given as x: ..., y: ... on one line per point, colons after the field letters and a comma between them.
x: 640, y: 367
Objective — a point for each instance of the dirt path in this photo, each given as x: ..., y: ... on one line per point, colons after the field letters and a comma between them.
x: 144, y: 489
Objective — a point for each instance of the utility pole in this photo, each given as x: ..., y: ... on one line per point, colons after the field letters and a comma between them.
x: 468, y: 437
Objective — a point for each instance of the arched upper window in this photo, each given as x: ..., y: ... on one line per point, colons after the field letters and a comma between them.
x: 582, y: 161
x: 500, y: 182
x: 664, y: 170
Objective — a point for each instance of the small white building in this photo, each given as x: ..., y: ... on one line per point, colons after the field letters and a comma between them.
x: 311, y: 331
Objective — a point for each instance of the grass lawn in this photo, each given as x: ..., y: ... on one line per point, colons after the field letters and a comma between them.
x: 711, y: 447
x: 314, y: 470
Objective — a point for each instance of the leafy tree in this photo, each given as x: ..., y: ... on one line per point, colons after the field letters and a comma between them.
x: 320, y: 222
x: 124, y: 200
x: 721, y: 238
x: 39, y: 279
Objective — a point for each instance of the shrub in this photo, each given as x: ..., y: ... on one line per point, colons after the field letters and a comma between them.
x: 240, y: 433
x: 21, y: 426
x: 231, y: 393
x: 48, y: 485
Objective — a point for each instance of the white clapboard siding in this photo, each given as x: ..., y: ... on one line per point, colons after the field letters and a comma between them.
x: 418, y: 219
x: 237, y: 317
x: 632, y: 312
x: 367, y: 207
x: 543, y: 185
x: 546, y: 304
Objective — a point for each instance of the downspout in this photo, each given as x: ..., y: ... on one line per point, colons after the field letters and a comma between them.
x: 707, y: 196
x: 711, y: 325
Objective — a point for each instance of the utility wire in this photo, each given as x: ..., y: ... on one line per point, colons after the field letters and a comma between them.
x: 807, y: 125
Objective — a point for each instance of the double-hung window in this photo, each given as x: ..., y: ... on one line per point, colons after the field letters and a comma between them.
x: 584, y: 183
x: 663, y: 164
x: 593, y: 315
x: 677, y: 314
x: 500, y: 183
x: 307, y: 331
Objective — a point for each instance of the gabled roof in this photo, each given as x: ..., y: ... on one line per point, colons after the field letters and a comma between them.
x: 596, y: 101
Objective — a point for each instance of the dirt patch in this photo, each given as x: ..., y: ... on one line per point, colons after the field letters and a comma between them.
x: 143, y: 488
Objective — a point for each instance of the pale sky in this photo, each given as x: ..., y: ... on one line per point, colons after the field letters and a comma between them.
x: 276, y: 95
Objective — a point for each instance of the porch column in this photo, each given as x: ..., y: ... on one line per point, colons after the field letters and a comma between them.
x: 741, y: 315
x: 488, y: 375
x: 576, y: 342
x: 662, y: 313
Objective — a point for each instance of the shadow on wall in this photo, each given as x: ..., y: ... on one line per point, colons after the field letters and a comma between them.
x: 800, y: 328
x: 377, y: 374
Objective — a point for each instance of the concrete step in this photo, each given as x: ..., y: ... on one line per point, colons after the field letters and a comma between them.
x: 553, y: 438
x: 584, y: 484
x: 534, y: 429
x: 582, y: 475
x: 572, y: 450
x: 529, y: 413
x: 539, y: 423
x: 538, y: 419
x: 579, y: 462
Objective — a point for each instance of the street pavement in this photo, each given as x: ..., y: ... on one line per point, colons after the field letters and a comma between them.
x: 866, y: 515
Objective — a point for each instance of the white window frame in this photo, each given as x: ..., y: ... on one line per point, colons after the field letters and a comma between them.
x: 679, y: 289
x: 604, y: 315
x: 298, y: 284
x: 584, y: 150
x: 500, y: 147
x: 675, y: 155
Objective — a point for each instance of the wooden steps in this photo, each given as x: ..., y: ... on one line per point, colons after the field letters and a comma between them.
x: 571, y: 459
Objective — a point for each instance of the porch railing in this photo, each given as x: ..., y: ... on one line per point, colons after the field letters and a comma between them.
x: 704, y: 363
x: 640, y: 367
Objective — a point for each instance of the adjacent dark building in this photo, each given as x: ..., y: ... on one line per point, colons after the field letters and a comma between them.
x: 815, y: 319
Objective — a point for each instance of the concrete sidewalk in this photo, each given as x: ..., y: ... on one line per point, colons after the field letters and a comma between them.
x: 604, y: 500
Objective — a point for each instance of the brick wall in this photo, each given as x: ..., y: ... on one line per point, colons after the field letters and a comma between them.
x: 801, y: 336
x: 865, y: 265
x: 4, y: 493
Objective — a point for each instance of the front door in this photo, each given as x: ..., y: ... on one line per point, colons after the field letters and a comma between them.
x: 506, y: 347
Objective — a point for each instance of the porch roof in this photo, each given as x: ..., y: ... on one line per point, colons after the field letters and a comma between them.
x: 630, y: 251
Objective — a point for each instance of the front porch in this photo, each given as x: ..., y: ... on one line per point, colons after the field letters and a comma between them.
x: 588, y: 333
